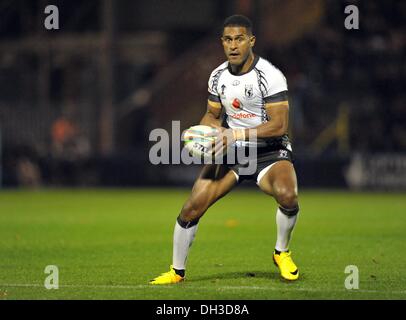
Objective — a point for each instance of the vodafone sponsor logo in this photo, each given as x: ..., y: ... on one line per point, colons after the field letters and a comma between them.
x: 243, y: 115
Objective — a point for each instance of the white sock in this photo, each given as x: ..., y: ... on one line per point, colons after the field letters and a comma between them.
x: 285, y: 225
x: 182, y: 240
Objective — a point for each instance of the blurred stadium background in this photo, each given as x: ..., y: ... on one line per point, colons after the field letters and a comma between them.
x: 77, y: 104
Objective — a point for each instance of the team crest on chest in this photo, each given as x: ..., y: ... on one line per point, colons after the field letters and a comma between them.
x: 249, y: 91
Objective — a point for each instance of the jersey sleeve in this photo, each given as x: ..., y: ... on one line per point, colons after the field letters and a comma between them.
x: 276, y: 86
x: 213, y: 84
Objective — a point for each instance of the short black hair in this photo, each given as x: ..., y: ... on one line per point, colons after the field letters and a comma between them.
x: 238, y: 20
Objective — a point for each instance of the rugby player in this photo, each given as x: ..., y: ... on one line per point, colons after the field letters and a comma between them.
x: 254, y: 95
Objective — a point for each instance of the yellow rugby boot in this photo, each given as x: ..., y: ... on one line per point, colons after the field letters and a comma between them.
x: 168, y: 277
x: 287, y: 267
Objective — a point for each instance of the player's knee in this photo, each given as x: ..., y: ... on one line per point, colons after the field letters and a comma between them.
x: 191, y: 212
x: 287, y: 198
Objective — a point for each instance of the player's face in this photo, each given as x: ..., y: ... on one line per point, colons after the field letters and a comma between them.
x: 237, y: 44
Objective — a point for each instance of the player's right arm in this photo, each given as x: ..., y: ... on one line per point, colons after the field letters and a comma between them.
x: 212, y: 117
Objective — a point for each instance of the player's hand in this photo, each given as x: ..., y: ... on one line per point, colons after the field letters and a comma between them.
x: 226, y: 138
x: 217, y: 133
x: 223, y: 141
x: 219, y: 144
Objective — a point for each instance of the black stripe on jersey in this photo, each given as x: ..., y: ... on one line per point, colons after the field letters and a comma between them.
x: 262, y: 83
x: 262, y: 88
x: 215, y: 80
x: 277, y: 97
x: 214, y: 98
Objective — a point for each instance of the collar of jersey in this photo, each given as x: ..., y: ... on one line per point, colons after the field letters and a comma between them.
x: 254, y: 63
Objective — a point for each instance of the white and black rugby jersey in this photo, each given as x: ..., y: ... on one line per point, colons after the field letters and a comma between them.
x: 243, y: 96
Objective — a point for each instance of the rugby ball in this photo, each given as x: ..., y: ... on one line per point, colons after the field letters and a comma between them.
x: 197, y: 143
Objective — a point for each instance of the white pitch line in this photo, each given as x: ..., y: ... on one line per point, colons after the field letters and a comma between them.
x: 143, y: 286
x: 96, y: 286
x: 310, y: 289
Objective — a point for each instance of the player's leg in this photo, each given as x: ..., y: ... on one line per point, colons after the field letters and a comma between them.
x: 280, y: 181
x: 214, y: 182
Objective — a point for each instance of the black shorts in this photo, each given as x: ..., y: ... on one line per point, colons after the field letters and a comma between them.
x: 265, y: 157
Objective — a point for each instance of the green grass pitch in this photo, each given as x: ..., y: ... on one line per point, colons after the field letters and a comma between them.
x: 107, y: 244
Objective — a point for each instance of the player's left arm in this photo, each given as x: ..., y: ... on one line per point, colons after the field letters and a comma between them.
x: 278, y: 115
